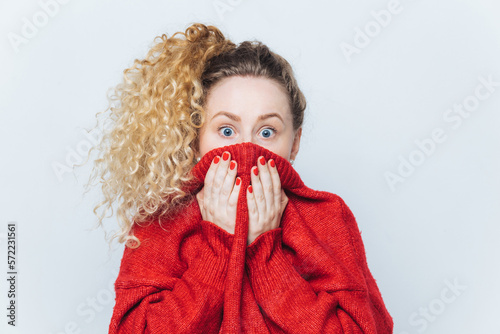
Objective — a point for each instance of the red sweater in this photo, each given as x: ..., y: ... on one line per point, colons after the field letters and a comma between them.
x: 308, y: 276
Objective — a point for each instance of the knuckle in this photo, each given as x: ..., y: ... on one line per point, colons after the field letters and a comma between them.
x: 232, y: 203
x: 225, y: 192
x: 259, y: 197
x: 210, y: 211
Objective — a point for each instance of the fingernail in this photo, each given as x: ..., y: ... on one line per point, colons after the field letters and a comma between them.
x: 225, y: 156
x: 250, y: 190
x: 271, y: 163
x: 238, y: 181
x: 262, y: 161
x: 256, y: 171
x: 232, y: 165
x: 216, y: 160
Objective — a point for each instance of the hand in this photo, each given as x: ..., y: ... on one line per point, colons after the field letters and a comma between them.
x: 265, y: 199
x: 219, y: 196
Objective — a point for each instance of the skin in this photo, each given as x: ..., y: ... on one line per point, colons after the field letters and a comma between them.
x: 233, y: 107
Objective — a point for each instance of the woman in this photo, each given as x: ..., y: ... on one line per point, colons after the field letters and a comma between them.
x: 225, y: 236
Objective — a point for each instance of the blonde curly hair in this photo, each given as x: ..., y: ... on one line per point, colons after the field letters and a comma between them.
x: 151, y: 144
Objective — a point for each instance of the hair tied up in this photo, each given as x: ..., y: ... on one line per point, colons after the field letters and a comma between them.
x: 149, y: 149
x: 198, y: 32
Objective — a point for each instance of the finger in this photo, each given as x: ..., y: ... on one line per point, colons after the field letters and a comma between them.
x: 209, y: 179
x: 228, y: 183
x: 258, y: 192
x: 268, y: 187
x: 233, y: 198
x: 219, y: 177
x: 277, y: 190
x: 253, y: 214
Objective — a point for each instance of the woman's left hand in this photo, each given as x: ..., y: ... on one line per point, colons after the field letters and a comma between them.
x: 265, y: 199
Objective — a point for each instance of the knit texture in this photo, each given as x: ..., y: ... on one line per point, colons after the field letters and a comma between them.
x: 308, y: 276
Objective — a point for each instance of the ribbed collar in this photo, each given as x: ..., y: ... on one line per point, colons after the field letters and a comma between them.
x: 246, y: 155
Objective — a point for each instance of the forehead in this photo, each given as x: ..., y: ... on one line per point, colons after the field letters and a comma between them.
x: 256, y: 95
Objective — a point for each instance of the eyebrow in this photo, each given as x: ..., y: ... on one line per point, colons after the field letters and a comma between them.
x: 237, y: 118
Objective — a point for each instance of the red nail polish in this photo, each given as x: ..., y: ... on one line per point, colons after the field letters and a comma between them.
x: 232, y: 165
x: 271, y: 163
x: 225, y: 156
x: 262, y: 161
x: 238, y: 181
x: 216, y: 160
x: 250, y: 190
x: 256, y: 171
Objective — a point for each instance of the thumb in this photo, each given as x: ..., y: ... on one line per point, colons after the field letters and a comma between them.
x: 284, y: 201
x: 199, y: 197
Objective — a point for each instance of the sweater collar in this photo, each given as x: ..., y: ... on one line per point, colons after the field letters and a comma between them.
x: 246, y: 155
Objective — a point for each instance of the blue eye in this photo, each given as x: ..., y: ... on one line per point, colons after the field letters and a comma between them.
x: 268, y: 132
x: 227, y: 131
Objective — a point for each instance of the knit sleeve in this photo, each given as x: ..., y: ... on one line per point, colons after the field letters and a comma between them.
x: 331, y: 290
x: 150, y: 300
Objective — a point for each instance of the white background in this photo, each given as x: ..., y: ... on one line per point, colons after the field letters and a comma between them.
x: 437, y: 226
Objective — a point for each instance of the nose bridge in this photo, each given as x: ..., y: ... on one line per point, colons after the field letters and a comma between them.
x: 247, y: 136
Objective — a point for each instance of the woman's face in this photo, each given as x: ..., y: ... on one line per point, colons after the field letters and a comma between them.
x: 249, y: 109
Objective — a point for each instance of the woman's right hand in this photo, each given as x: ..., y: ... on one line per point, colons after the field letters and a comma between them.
x: 219, y: 196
